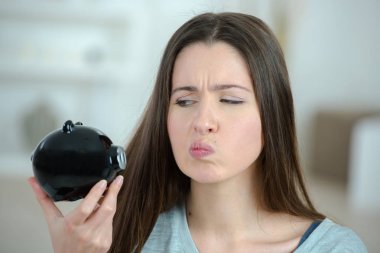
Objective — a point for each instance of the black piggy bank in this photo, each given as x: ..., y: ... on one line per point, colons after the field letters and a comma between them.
x: 69, y: 161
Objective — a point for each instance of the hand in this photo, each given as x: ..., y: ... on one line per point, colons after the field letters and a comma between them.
x: 87, y: 228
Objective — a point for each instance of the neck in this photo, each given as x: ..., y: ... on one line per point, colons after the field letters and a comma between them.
x: 229, y: 206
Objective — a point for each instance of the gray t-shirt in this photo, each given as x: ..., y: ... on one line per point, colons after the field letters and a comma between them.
x: 171, y: 234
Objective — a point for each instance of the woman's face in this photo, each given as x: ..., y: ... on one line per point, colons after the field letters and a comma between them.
x: 213, y: 122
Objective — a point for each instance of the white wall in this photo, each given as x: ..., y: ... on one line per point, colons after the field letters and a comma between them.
x: 333, y: 58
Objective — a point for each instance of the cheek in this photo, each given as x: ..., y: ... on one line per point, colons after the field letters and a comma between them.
x: 177, y: 137
x: 246, y: 138
x: 253, y: 134
x: 171, y: 128
x: 175, y: 131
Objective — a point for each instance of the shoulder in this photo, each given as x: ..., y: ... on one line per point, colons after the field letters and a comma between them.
x: 164, y: 235
x: 168, y: 232
x: 331, y: 237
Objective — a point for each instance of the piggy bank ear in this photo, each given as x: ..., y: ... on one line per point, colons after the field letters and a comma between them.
x: 105, y: 141
x: 68, y: 127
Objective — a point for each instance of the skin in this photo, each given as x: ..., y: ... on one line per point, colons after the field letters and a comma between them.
x: 213, y: 103
x: 87, y: 228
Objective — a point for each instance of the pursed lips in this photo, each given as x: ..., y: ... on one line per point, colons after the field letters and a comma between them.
x: 199, y: 150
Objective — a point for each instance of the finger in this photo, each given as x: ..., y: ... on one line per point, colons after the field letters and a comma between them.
x: 97, y: 205
x: 108, y: 206
x: 50, y: 209
x: 89, y: 203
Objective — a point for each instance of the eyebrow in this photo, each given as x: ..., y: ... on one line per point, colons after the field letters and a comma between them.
x: 216, y: 87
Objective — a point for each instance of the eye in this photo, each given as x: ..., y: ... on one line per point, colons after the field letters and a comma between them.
x: 185, y: 102
x: 231, y: 101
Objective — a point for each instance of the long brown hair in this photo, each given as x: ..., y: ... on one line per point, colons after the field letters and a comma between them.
x: 154, y: 183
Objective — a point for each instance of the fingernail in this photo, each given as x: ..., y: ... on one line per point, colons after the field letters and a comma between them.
x: 119, y: 180
x: 102, y: 184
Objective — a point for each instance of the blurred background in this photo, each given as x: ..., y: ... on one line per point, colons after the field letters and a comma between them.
x: 95, y: 61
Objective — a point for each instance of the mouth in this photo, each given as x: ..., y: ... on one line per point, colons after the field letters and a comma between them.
x: 199, y: 150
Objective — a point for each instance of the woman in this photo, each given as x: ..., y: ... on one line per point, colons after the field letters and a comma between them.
x: 213, y: 165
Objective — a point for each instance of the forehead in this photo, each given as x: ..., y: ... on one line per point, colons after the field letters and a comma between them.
x: 216, y: 62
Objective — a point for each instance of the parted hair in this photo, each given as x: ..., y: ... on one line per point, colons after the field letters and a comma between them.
x: 154, y: 183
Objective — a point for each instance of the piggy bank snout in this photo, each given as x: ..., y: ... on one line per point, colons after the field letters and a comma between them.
x: 117, y: 157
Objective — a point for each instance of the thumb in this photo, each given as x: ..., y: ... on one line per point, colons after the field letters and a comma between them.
x: 50, y: 209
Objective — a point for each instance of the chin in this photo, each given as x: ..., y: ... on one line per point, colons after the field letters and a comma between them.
x: 204, y: 172
x: 206, y: 177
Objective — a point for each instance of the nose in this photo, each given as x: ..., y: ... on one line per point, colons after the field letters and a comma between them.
x: 205, y: 121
